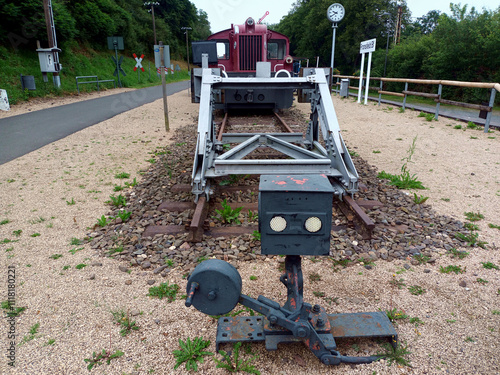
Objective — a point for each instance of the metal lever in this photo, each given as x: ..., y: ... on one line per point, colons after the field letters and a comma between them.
x: 192, y: 291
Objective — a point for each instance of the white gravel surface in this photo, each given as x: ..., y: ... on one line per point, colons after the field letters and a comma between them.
x: 73, y: 307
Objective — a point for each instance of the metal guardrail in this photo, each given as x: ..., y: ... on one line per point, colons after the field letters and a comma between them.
x: 95, y: 80
x: 437, y: 97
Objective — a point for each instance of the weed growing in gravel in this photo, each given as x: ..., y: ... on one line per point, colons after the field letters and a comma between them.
x: 401, y: 110
x: 80, y: 266
x: 122, y: 175
x: 416, y: 290
x: 473, y: 216
x: 12, y: 311
x: 74, y: 250
x: 50, y: 342
x: 75, y: 241
x: 445, y: 199
x: 496, y: 312
x: 71, y: 202
x: 458, y: 254
x: 376, y: 151
x: 395, y: 355
x: 32, y: 332
x: 331, y: 300
x: 35, y: 234
x: 104, y: 356
x: 449, y: 269
x: 471, y: 239
x: 115, y: 250
x: 397, y: 283
x: 353, y: 153
x: 252, y: 216
x: 430, y: 117
x: 164, y: 290
x: 469, y: 339
x: 118, y: 188
x: 471, y: 226
x: 457, y: 127
x: 124, y: 215
x: 319, y: 294
x: 493, y: 226
x: 313, y: 277
x: 122, y: 319
x: 256, y: 235
x: 191, y: 352
x: 482, y: 281
x: 404, y: 180
x: 419, y: 199
x: 55, y: 256
x: 227, y: 214
x: 490, y: 266
x: 238, y: 364
x: 421, y: 114
x: 169, y: 262
x: 233, y: 179
x: 131, y: 184
x: 395, y: 314
x: 253, y: 278
x: 118, y: 201
x: 201, y: 259
x: 471, y: 125
x: 3, y: 222
x: 102, y: 221
x: 421, y: 259
x: 17, y: 233
x: 416, y: 321
x: 37, y: 221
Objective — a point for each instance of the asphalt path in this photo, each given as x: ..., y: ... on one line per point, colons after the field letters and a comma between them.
x: 24, y: 133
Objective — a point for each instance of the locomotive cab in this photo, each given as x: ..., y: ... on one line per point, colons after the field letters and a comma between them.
x: 236, y: 52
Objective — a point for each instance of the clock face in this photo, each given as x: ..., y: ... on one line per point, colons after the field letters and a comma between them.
x: 335, y: 12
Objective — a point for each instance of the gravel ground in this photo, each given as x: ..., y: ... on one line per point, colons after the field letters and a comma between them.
x: 60, y: 191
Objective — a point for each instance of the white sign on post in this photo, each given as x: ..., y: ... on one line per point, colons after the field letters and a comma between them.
x: 4, y: 101
x: 368, y: 46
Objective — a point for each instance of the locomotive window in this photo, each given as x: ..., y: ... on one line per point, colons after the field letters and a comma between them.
x: 223, y: 50
x: 276, y: 49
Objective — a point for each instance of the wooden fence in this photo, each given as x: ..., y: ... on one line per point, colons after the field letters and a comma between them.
x: 437, y: 97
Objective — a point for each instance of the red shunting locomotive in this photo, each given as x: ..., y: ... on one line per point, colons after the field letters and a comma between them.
x: 242, y: 46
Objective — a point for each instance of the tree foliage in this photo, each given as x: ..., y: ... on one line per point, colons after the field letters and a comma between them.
x: 89, y: 22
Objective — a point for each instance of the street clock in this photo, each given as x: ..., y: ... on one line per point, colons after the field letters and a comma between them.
x: 335, y: 12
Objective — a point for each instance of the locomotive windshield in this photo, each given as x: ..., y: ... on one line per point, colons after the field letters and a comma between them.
x: 276, y: 49
x: 223, y: 49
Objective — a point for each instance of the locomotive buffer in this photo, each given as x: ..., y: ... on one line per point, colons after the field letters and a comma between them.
x: 292, y: 222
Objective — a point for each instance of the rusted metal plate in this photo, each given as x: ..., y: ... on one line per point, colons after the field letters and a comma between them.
x: 363, y: 325
x: 152, y: 230
x: 239, y: 328
x: 176, y: 206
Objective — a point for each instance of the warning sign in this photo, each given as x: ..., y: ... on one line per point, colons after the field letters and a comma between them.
x: 139, y: 60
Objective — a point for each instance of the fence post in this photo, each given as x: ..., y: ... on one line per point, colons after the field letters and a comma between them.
x: 488, y: 116
x: 440, y: 89
x: 380, y: 89
x: 404, y: 99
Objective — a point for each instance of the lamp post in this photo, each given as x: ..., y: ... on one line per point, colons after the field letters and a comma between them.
x: 187, y: 44
x: 152, y: 10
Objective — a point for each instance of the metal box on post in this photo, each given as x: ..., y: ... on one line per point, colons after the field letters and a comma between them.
x: 49, y: 60
x: 295, y: 214
x: 344, y: 87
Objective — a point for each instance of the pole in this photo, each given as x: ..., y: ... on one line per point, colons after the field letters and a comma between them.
x: 117, y: 66
x: 361, y: 77
x: 51, y: 36
x: 386, y: 53
x: 334, y: 27
x: 164, y: 87
x: 154, y: 26
x: 368, y: 76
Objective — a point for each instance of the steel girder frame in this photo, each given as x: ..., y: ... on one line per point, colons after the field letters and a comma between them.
x: 311, y: 156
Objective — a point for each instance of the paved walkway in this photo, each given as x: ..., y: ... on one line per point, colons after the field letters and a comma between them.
x: 24, y: 133
x: 452, y: 112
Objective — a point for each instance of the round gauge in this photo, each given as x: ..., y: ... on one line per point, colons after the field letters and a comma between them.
x: 335, y: 12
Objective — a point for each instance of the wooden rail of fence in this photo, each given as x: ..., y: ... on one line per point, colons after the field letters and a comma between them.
x: 437, y: 97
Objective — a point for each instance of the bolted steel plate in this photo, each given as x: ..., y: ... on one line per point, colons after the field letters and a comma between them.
x: 219, y: 287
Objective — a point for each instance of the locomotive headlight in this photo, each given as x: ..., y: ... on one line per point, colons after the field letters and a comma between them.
x: 278, y: 223
x: 313, y: 224
x: 250, y: 21
x: 289, y: 59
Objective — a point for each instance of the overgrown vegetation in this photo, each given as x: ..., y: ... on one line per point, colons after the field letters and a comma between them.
x: 191, y: 352
x: 235, y: 363
x: 404, y: 180
x: 227, y: 214
x: 164, y: 291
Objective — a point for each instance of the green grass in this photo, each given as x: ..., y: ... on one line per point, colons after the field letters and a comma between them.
x: 102, y: 357
x: 3, y: 222
x: 473, y: 216
x: 11, y: 310
x: 164, y: 291
x: 416, y: 290
x: 191, y: 352
x: 122, y: 175
x: 450, y: 268
x: 77, y: 61
x: 458, y: 254
x: 490, y: 266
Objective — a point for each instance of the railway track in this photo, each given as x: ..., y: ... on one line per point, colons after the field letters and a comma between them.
x: 198, y: 226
